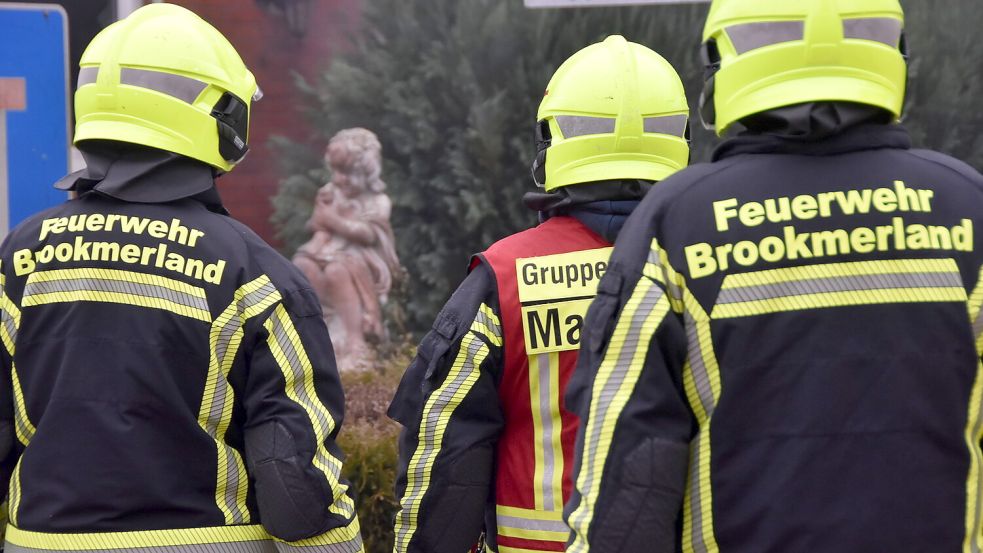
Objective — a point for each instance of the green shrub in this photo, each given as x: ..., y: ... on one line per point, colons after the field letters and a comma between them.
x: 368, y: 439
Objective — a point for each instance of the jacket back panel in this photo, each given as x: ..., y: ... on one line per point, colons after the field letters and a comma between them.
x: 831, y: 306
x: 128, y: 364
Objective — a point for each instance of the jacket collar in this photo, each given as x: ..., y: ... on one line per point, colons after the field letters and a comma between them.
x: 861, y: 137
x: 138, y: 174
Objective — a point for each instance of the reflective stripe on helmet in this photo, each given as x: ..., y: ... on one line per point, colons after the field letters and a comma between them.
x: 87, y: 75
x: 750, y: 36
x: 885, y: 30
x: 181, y: 87
x: 581, y: 125
x: 674, y: 125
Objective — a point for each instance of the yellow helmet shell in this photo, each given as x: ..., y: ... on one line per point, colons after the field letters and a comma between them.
x: 154, y: 79
x: 615, y: 110
x: 775, y: 53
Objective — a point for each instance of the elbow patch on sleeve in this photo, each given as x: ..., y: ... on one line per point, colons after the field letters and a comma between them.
x: 293, y: 501
x: 458, y: 514
x: 642, y: 515
x: 6, y: 438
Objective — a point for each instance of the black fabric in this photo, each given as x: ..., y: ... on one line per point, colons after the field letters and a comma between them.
x: 813, y: 120
x: 456, y: 513
x: 643, y: 517
x: 862, y: 137
x: 824, y: 409
x: 289, y: 492
x: 138, y: 174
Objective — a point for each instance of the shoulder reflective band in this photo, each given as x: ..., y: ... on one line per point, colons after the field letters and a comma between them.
x: 750, y: 36
x: 674, y: 125
x: 581, y: 125
x: 178, y: 86
x: 885, y: 30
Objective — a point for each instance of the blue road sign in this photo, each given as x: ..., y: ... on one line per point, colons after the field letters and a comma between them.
x: 34, y: 115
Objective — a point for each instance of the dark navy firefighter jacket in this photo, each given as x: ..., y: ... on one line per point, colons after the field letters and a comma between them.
x: 167, y: 379
x: 784, y: 357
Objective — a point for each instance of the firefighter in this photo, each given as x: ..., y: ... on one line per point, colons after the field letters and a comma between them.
x: 487, y: 440
x: 168, y: 383
x: 784, y: 352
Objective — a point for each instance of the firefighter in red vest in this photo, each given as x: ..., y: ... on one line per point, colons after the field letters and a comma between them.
x: 488, y: 442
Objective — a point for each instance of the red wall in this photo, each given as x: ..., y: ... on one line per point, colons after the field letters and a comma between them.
x: 273, y: 54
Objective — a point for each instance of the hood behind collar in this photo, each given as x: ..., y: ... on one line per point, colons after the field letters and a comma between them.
x: 602, y: 206
x: 553, y: 203
x: 819, y: 129
x: 812, y: 121
x: 138, y: 174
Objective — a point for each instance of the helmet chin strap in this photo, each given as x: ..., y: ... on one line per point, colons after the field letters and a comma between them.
x: 543, y: 141
x: 711, y: 65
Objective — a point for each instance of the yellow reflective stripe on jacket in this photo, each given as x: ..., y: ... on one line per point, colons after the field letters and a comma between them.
x: 347, y: 539
x: 840, y: 284
x: 487, y: 324
x: 974, y: 431
x: 701, y: 381
x: 220, y: 539
x: 544, y: 393
x: 437, y: 412
x: 22, y: 424
x: 115, y: 286
x: 298, y: 373
x: 23, y: 428
x: 616, y: 378
x: 9, y: 321
x: 532, y: 524
x: 215, y: 414
x: 702, y: 385
x: 246, y: 539
x: 14, y: 493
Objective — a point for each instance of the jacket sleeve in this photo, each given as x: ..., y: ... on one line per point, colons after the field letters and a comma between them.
x: 294, y: 408
x: 9, y: 323
x: 633, y: 443
x: 448, y: 405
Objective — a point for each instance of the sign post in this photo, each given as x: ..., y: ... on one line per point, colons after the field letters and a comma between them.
x: 34, y: 114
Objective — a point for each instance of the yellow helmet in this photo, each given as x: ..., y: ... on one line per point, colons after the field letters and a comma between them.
x: 614, y: 110
x: 165, y: 78
x: 765, y: 54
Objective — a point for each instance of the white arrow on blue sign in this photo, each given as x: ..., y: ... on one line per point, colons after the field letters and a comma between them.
x: 34, y: 112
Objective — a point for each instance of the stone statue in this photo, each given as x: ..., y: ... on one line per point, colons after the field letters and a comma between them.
x: 351, y: 258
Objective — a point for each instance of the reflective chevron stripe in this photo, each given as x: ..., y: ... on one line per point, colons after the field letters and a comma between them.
x: 215, y: 414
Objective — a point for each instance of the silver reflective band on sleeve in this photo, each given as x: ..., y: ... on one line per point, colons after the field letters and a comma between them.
x: 581, y: 125
x: 879, y: 29
x: 178, y: 86
x: 87, y: 75
x: 674, y: 125
x: 750, y: 36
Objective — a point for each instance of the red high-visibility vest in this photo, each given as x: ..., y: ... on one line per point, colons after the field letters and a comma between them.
x: 546, y: 278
